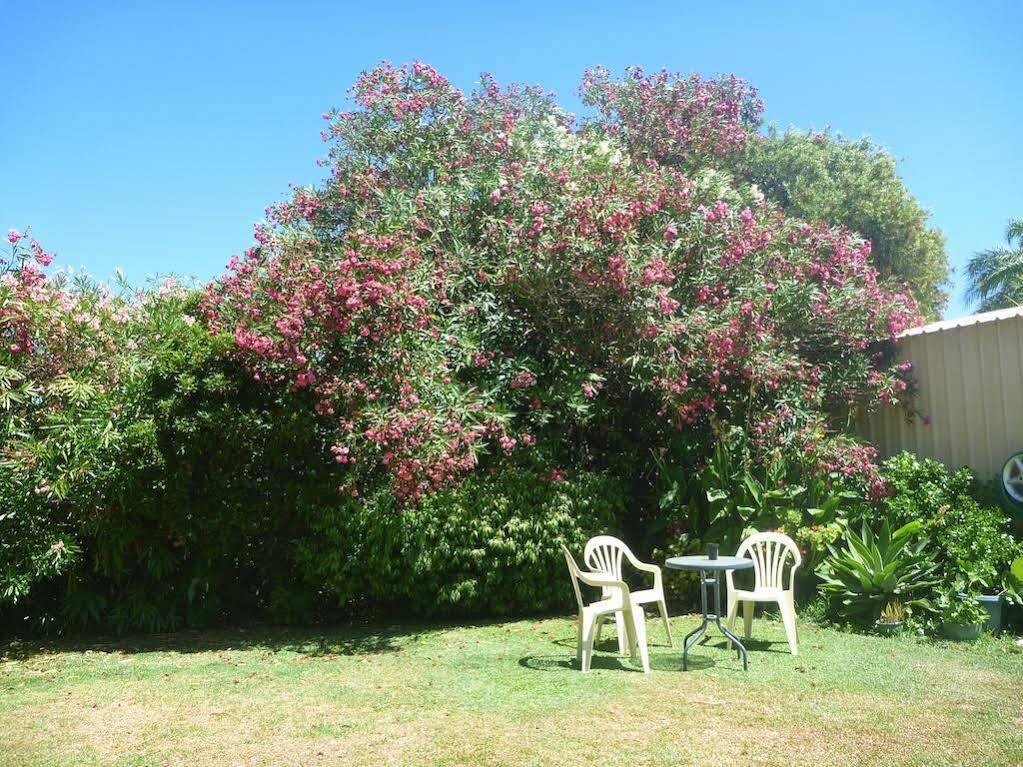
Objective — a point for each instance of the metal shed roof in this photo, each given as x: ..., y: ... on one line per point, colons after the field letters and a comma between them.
x: 962, y: 322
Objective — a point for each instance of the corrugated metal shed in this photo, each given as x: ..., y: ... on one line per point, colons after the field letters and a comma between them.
x: 970, y: 372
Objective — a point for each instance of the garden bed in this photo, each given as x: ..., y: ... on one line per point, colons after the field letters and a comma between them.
x: 506, y: 694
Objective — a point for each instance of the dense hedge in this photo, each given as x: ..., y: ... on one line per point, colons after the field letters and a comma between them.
x: 490, y: 546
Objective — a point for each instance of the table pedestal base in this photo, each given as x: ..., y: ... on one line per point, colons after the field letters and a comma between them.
x: 697, y: 634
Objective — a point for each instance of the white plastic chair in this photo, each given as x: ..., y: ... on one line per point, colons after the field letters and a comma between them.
x: 770, y: 553
x: 592, y: 615
x: 604, y: 554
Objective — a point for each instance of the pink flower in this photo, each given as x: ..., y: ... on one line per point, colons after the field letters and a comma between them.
x: 13, y: 235
x: 523, y: 380
x: 554, y: 475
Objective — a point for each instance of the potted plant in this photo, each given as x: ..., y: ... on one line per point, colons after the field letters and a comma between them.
x: 979, y: 550
x: 1012, y: 592
x: 991, y: 604
x: 962, y: 616
x: 893, y: 618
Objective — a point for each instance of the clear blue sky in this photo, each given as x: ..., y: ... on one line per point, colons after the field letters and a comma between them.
x: 150, y: 136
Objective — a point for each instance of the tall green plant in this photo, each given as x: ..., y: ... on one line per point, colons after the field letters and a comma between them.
x: 871, y: 571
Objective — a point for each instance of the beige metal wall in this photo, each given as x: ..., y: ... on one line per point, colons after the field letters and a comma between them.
x: 970, y: 373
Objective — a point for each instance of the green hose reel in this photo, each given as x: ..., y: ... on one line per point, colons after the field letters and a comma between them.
x: 1012, y: 484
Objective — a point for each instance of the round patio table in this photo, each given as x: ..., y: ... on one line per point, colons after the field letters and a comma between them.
x: 704, y: 565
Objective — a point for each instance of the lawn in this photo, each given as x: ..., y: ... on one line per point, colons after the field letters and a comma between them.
x: 506, y: 694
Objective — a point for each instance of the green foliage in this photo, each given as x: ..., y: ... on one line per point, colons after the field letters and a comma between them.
x: 490, y: 546
x: 971, y: 542
x: 168, y: 493
x: 870, y: 571
x: 855, y: 184
x: 919, y: 487
x: 493, y: 545
x: 996, y: 274
x: 1012, y: 581
x: 958, y: 604
x: 735, y: 495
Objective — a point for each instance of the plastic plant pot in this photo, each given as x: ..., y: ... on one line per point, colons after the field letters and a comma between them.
x: 889, y: 629
x: 993, y: 604
x: 962, y: 632
x: 1012, y: 484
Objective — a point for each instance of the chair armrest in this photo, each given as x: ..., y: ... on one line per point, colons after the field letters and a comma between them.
x: 601, y: 580
x: 647, y: 568
x: 729, y: 580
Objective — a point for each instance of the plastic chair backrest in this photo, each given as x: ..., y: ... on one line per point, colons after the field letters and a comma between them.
x: 604, y: 554
x: 573, y: 571
x: 770, y: 553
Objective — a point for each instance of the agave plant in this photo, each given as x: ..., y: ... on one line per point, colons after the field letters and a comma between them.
x: 872, y: 571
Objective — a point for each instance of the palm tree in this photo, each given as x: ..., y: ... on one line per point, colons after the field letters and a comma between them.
x: 996, y: 274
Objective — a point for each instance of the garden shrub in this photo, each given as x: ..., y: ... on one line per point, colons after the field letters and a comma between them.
x: 489, y: 546
x: 201, y: 488
x: 973, y: 542
x: 57, y: 347
x: 493, y: 545
x: 874, y: 570
x: 152, y: 483
x: 970, y: 544
x: 916, y: 488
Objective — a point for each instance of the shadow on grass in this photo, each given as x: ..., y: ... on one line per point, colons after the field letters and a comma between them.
x: 355, y: 638
x: 606, y: 644
x: 568, y: 663
x: 712, y: 652
x: 664, y: 662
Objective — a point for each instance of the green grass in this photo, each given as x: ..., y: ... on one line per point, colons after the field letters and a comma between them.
x: 506, y: 694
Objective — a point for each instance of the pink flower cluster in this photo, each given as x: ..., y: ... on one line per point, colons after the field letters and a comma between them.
x: 672, y: 118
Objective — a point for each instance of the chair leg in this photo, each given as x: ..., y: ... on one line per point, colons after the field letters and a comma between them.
x: 664, y: 616
x: 600, y: 625
x: 580, y: 634
x: 788, y: 617
x: 636, y: 623
x: 586, y: 631
x: 733, y: 611
x: 748, y: 606
x: 623, y: 634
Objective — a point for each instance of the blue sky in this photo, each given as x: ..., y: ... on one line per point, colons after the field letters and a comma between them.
x: 150, y: 136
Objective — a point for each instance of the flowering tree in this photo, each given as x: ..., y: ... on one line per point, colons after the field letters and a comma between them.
x: 822, y: 176
x: 57, y: 349
x: 478, y: 278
